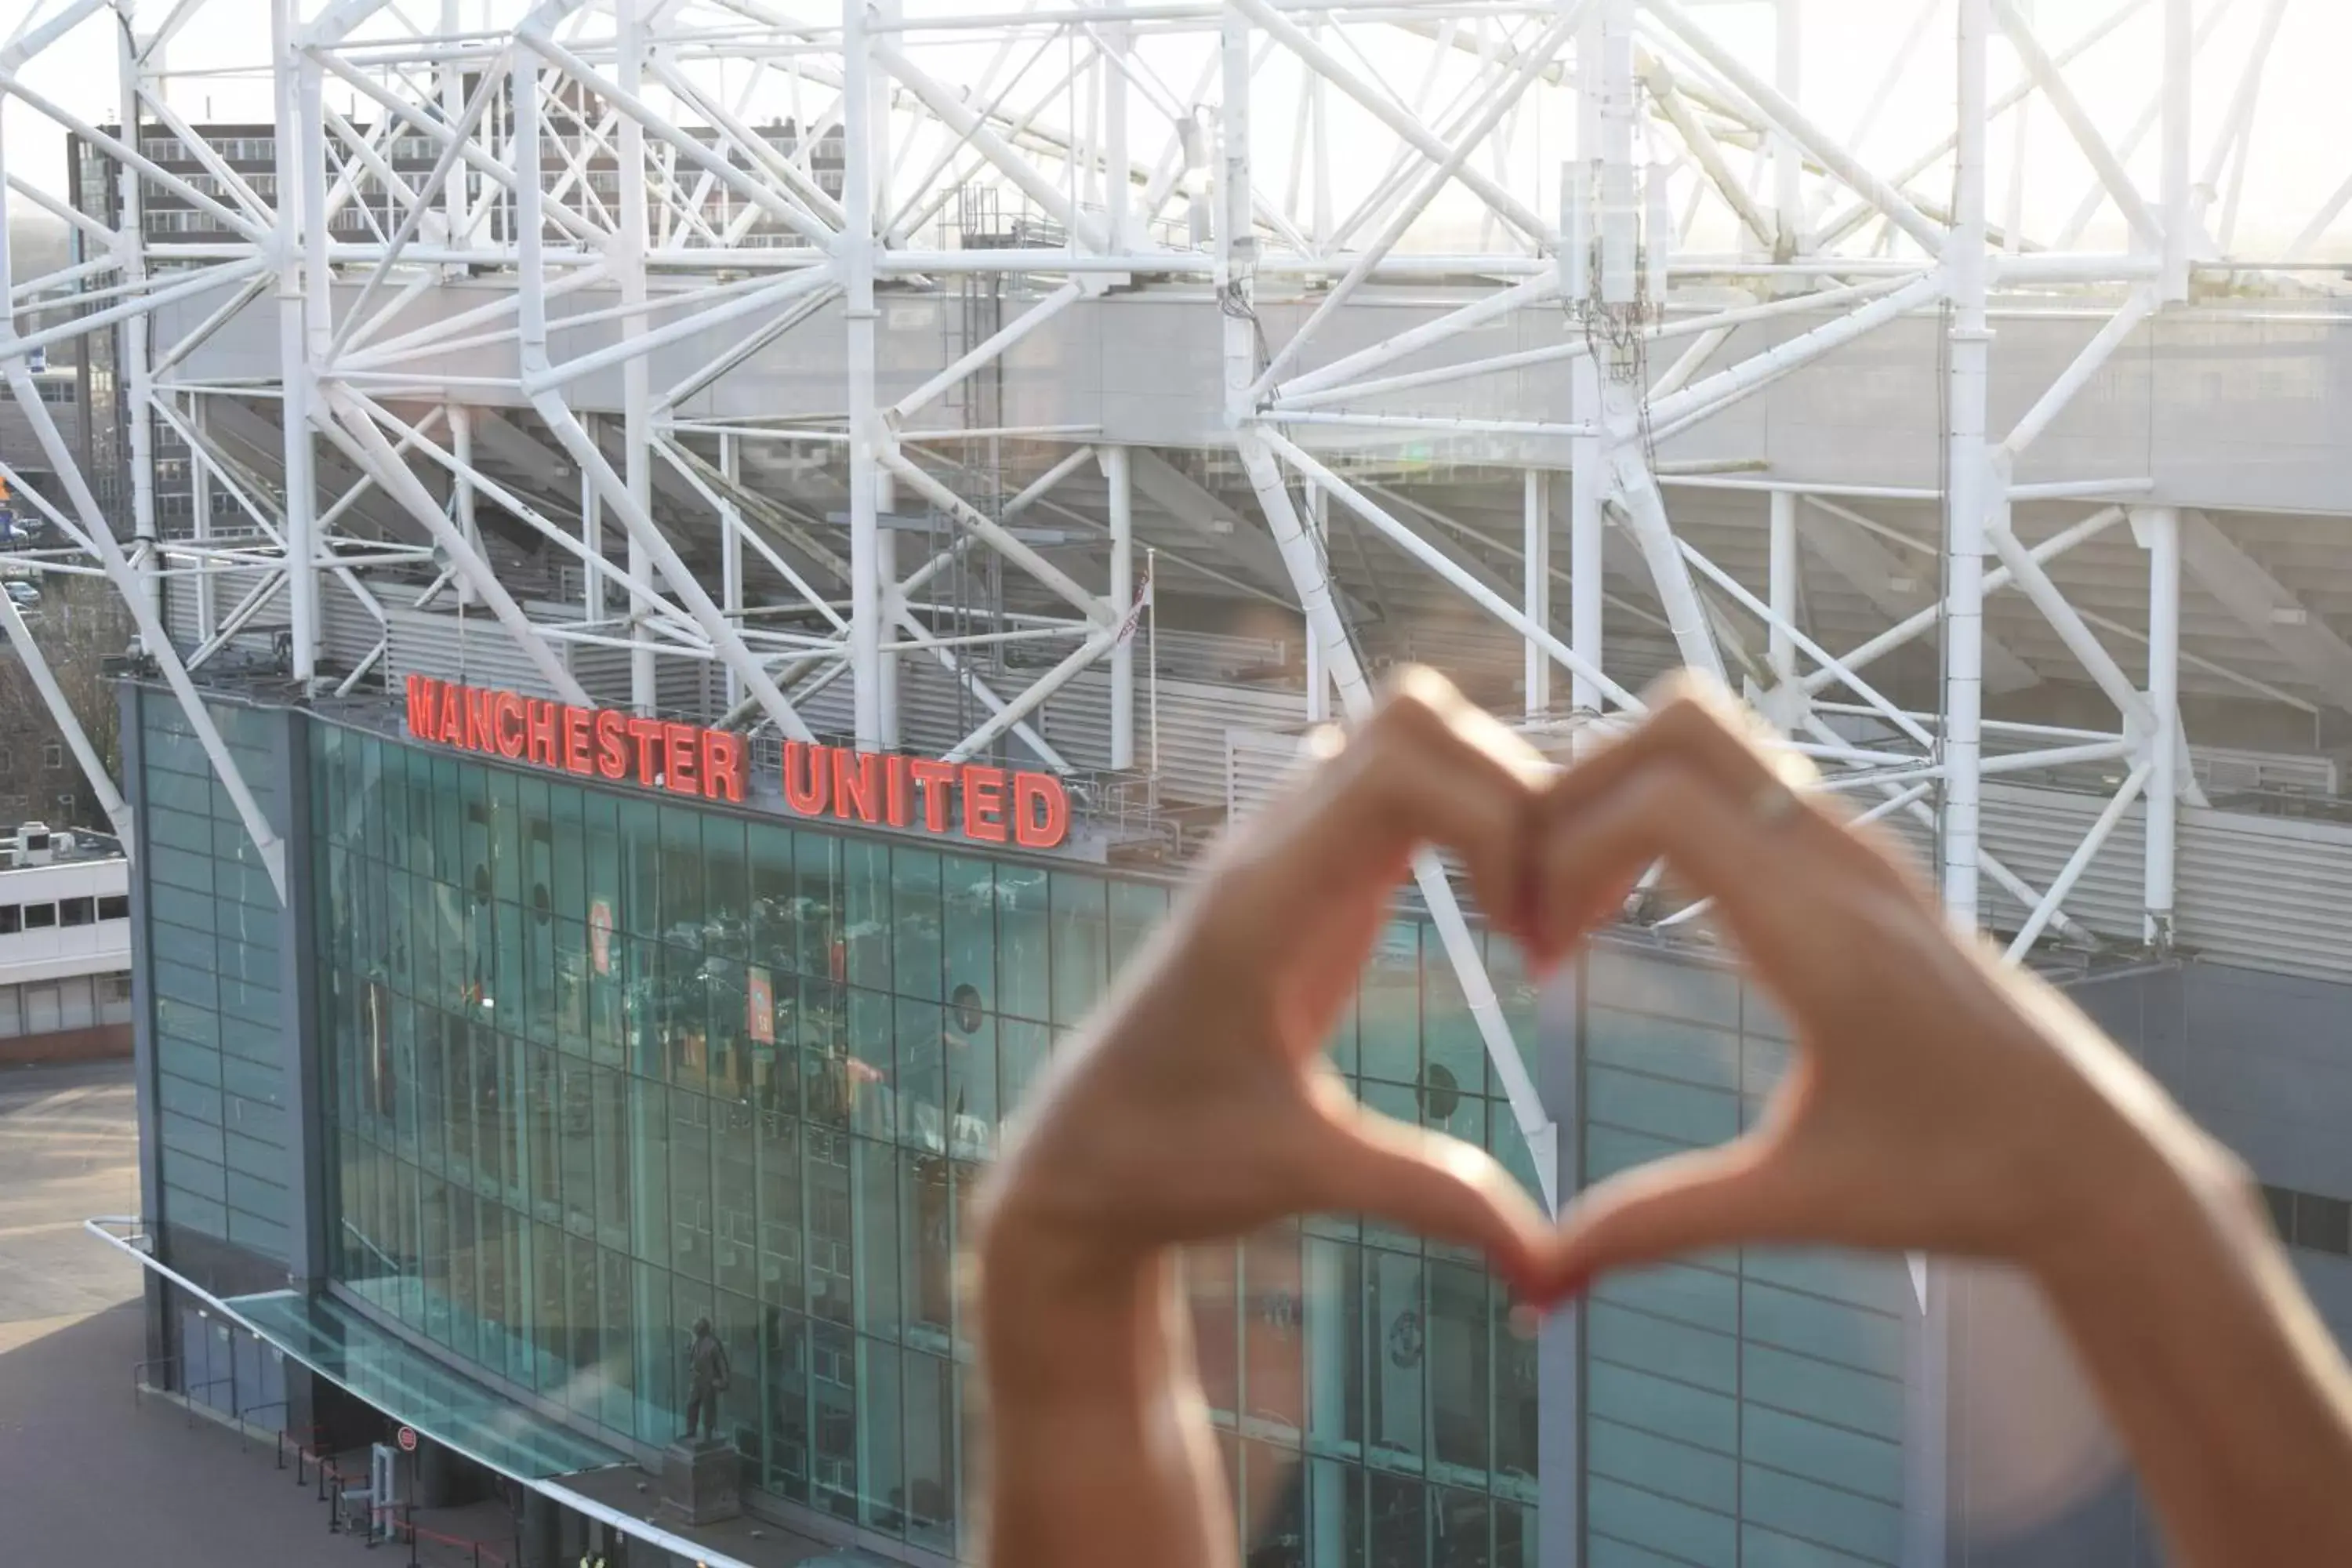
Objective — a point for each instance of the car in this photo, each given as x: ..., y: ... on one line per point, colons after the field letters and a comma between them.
x: 23, y: 593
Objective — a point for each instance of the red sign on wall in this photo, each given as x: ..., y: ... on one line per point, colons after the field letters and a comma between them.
x: 760, y: 1004
x: 980, y: 802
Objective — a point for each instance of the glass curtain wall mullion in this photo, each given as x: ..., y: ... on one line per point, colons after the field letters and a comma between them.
x: 690, y: 1063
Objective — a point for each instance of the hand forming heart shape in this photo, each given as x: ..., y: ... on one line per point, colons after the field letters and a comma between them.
x: 1939, y: 1102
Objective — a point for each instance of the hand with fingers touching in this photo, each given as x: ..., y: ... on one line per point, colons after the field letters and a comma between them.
x: 1939, y: 1102
x: 1942, y: 1101
x: 1196, y: 1105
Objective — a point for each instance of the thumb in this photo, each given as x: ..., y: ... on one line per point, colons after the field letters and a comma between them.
x: 1725, y: 1196
x: 1435, y: 1186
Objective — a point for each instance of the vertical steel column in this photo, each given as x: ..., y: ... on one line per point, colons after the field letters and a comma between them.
x: 1118, y: 474
x: 865, y: 433
x: 628, y: 260
x: 592, y: 535
x: 1535, y: 520
x: 1117, y: 194
x: 1971, y: 497
x: 2179, y: 196
x: 296, y: 371
x: 730, y: 550
x: 200, y: 478
x: 886, y: 589
x: 1788, y: 164
x: 1781, y: 592
x: 1588, y: 454
x: 461, y: 487
x: 133, y: 380
x: 2159, y: 530
x: 453, y: 112
x: 1926, y: 1481
x: 1318, y: 678
x: 1620, y: 223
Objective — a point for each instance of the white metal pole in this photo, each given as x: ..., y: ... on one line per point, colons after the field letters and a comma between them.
x: 865, y: 436
x: 201, y: 526
x: 461, y: 487
x: 1781, y: 592
x: 1119, y: 476
x: 133, y: 380
x: 1588, y: 454
x: 1968, y: 501
x: 2180, y: 54
x: 592, y: 536
x: 2160, y: 530
x: 1152, y: 660
x: 1926, y: 1479
x: 731, y: 551
x: 1535, y: 520
x: 296, y: 233
x: 886, y: 589
x: 1118, y: 174
x: 1318, y: 678
x: 628, y: 261
x: 1788, y: 160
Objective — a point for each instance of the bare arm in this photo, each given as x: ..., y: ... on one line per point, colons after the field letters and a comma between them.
x: 1195, y: 1106
x: 1945, y: 1102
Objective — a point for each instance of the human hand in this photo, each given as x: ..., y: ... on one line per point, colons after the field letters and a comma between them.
x: 1939, y: 1100
x: 1197, y: 1104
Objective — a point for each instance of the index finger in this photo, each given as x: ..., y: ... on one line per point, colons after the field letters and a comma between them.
x: 1429, y: 768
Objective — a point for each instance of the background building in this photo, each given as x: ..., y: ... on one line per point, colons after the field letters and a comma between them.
x: 64, y: 947
x: 1108, y: 398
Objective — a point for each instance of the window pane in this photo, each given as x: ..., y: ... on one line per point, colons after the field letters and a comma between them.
x: 915, y: 923
x: 1081, y: 946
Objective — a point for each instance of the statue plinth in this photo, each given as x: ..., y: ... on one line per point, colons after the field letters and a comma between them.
x: 702, y: 1482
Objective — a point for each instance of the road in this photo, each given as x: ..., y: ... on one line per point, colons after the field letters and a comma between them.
x: 87, y: 1476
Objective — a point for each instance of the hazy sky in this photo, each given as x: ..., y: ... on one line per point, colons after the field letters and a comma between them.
x: 2300, y: 151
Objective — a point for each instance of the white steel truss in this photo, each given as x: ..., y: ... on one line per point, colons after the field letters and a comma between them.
x: 530, y: 278
x: 618, y: 285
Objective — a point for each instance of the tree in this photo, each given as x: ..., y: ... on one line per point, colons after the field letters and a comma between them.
x: 79, y: 624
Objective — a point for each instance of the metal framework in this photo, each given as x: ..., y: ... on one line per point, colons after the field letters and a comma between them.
x: 599, y: 165
x: 539, y: 264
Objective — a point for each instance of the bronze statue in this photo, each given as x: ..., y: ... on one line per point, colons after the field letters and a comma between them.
x: 707, y: 1371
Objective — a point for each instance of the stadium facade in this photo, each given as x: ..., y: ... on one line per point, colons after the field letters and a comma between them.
x: 757, y: 545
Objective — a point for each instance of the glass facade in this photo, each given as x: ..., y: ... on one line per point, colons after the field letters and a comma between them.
x: 599, y: 1065
x: 210, y: 952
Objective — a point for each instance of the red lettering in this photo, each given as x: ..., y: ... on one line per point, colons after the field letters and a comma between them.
x: 452, y: 716
x: 1041, y: 811
x: 611, y: 749
x: 575, y: 738
x: 679, y: 743
x: 937, y: 781
x: 424, y: 697
x: 723, y: 766
x: 506, y: 715
x: 983, y: 802
x: 855, y: 786
x: 539, y: 737
x: 481, y: 733
x: 647, y: 733
x: 895, y: 791
x: 806, y: 776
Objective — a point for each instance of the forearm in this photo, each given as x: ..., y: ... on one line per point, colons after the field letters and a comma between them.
x: 2222, y: 1382
x: 1099, y: 1438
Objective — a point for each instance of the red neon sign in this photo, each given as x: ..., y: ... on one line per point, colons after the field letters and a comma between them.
x: 989, y: 804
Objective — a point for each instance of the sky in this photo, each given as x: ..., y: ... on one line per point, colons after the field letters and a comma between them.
x: 2299, y: 153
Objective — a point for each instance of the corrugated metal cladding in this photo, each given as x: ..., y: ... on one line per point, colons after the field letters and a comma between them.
x: 2265, y: 892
